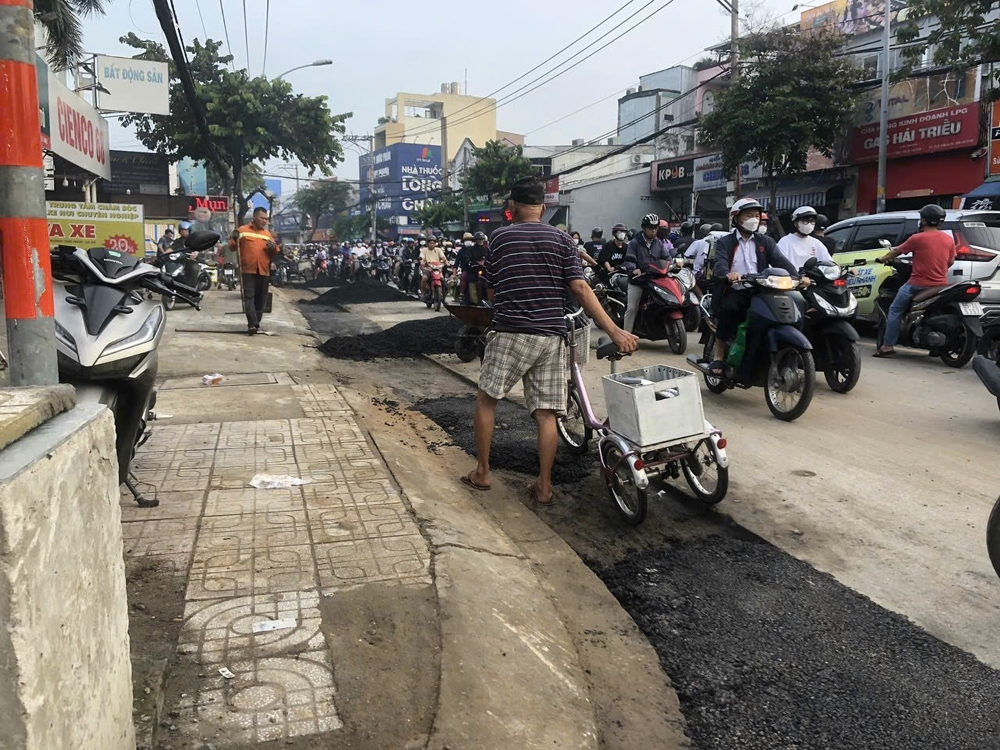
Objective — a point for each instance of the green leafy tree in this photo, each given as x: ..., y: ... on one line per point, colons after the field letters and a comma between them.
x: 794, y: 92
x: 497, y: 167
x: 434, y: 215
x: 323, y: 198
x: 356, y: 227
x: 962, y: 36
x: 61, y: 21
x: 251, y: 120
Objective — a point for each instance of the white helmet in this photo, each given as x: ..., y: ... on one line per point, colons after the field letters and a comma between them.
x: 803, y: 212
x: 744, y: 204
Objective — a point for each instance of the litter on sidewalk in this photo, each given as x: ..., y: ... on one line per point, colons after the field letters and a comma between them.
x: 224, y: 671
x: 276, y: 481
x: 266, y: 626
x: 214, y: 379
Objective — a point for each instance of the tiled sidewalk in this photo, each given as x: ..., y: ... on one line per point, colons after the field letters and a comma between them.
x: 258, y: 555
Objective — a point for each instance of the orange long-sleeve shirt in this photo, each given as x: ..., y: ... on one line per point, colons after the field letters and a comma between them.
x: 254, y: 255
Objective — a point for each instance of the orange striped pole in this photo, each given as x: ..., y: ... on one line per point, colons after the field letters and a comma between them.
x: 24, y: 233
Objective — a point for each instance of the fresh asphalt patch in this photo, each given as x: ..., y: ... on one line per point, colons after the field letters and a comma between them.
x: 764, y: 651
x: 412, y: 339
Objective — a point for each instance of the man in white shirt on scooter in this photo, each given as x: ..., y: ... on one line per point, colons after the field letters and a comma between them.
x: 800, y: 246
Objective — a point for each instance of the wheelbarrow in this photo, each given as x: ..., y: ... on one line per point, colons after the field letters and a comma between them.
x: 470, y: 340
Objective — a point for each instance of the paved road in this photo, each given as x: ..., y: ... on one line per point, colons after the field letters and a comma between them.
x: 904, y: 479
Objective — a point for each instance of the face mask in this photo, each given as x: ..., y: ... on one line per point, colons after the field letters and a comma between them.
x: 750, y: 225
x: 619, y: 236
x: 422, y: 243
x: 579, y: 241
x: 807, y: 227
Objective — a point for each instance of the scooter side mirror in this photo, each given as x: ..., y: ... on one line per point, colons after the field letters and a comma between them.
x: 199, y: 241
x: 811, y: 264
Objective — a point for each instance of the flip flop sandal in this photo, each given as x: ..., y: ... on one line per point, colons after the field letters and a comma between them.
x: 533, y: 491
x: 883, y: 355
x: 717, y: 369
x: 468, y: 481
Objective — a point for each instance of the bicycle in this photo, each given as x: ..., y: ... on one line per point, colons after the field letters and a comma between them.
x: 627, y: 467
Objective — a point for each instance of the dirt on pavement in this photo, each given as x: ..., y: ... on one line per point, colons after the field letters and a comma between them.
x: 409, y: 339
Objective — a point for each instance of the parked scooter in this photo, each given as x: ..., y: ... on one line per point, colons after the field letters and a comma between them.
x: 773, y: 354
x: 830, y: 306
x: 227, y: 276
x: 107, y: 333
x: 941, y: 319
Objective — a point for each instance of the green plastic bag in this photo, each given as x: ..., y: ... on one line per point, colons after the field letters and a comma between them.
x: 739, y: 348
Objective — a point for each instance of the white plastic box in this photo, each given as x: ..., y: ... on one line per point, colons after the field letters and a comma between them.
x: 667, y: 409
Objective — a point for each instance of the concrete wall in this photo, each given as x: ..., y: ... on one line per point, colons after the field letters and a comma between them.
x: 65, y: 675
x: 606, y: 202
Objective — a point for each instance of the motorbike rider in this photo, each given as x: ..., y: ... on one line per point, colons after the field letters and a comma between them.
x: 429, y: 254
x: 696, y: 254
x: 820, y: 233
x: 686, y: 238
x: 745, y: 251
x: 642, y: 252
x: 663, y: 234
x: 800, y: 245
x: 613, y: 255
x: 593, y: 248
x: 933, y: 252
x: 464, y: 264
x: 183, y: 231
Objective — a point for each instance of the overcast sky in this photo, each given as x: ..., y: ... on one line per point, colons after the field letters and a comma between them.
x: 384, y: 46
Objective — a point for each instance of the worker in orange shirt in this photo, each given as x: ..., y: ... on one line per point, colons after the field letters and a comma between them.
x: 255, y: 246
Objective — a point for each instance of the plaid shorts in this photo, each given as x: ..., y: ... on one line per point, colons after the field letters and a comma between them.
x: 539, y: 362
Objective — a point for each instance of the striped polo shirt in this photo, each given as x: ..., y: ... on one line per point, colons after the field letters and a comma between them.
x: 529, y: 266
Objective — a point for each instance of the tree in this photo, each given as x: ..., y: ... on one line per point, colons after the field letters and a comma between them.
x: 435, y: 214
x: 962, y: 36
x: 251, y: 120
x: 322, y: 198
x: 794, y: 93
x: 497, y: 167
x: 354, y: 227
x: 61, y: 20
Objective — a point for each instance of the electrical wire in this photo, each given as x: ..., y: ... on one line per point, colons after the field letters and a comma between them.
x: 246, y: 34
x: 576, y: 112
x: 267, y: 24
x: 553, y: 56
x: 225, y: 28
x: 197, y: 4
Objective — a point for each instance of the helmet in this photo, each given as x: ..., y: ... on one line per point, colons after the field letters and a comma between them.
x: 596, y: 232
x: 479, y: 236
x: 467, y: 236
x: 687, y: 228
x: 663, y: 223
x: 821, y: 221
x: 619, y: 227
x: 803, y: 212
x: 184, y: 225
x: 716, y: 227
x: 932, y: 214
x: 703, y: 230
x: 650, y: 220
x: 744, y: 204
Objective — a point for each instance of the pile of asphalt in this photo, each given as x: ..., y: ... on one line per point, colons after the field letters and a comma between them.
x: 515, y: 441
x: 410, y: 339
x: 765, y: 652
x: 358, y: 294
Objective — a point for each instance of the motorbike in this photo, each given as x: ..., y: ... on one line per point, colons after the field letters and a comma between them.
x: 435, y: 287
x: 279, y: 272
x: 773, y: 354
x: 830, y: 306
x: 383, y: 270
x: 107, y: 333
x: 204, y: 277
x: 227, y: 276
x: 942, y: 319
x: 181, y: 267
x: 661, y: 312
x: 691, y: 308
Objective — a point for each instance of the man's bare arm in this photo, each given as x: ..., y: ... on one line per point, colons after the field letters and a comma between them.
x: 625, y: 341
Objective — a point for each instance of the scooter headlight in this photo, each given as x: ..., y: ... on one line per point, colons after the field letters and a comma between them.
x: 780, y: 282
x: 64, y: 337
x: 144, y: 335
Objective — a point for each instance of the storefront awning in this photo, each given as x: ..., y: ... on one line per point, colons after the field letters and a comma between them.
x: 986, y: 195
x: 793, y: 196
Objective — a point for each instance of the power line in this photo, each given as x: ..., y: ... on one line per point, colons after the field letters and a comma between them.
x: 576, y: 112
x: 553, y: 56
x: 197, y: 4
x: 225, y: 27
x: 267, y: 24
x: 246, y: 34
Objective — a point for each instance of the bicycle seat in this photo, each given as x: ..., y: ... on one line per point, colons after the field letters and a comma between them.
x: 927, y: 293
x: 606, y: 348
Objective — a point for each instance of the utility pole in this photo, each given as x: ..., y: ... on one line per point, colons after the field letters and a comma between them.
x: 883, y: 128
x: 734, y: 69
x: 24, y: 230
x: 371, y: 188
x: 445, y: 176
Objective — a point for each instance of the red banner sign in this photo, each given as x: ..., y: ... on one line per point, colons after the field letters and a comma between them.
x: 995, y: 141
x: 552, y: 192
x: 939, y: 130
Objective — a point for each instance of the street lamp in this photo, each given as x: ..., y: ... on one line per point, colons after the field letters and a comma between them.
x: 316, y: 64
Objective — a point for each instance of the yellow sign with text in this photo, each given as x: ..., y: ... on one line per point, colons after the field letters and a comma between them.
x: 118, y: 226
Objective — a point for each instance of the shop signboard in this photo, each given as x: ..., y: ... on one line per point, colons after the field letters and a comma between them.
x: 139, y: 172
x: 926, y: 133
x: 132, y: 85
x: 710, y: 175
x: 995, y: 141
x: 552, y: 192
x: 117, y: 226
x: 71, y: 127
x: 849, y: 16
x: 402, y: 177
x: 672, y: 173
x: 210, y: 212
x: 914, y: 96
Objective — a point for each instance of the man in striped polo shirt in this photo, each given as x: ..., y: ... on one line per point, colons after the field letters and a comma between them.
x: 533, y: 268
